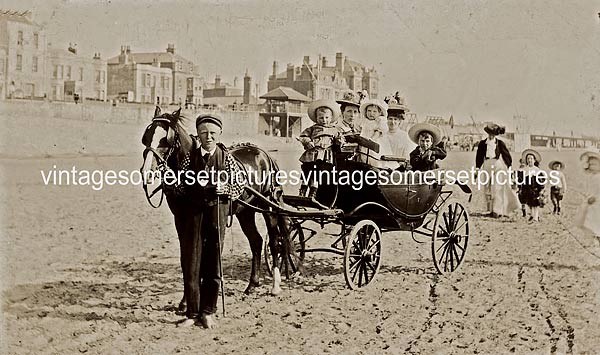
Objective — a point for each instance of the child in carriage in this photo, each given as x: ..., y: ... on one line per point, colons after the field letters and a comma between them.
x: 424, y: 157
x: 557, y: 191
x: 318, y: 141
x: 373, y: 126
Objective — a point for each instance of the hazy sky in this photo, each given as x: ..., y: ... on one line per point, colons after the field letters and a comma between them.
x: 488, y: 59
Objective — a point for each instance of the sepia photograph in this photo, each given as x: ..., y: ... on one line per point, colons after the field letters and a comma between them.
x: 299, y: 177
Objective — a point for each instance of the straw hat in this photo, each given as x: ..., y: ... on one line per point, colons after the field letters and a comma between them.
x: 536, y: 155
x: 382, y: 106
x: 419, y: 128
x: 394, y: 109
x: 585, y: 157
x: 349, y: 98
x: 492, y: 128
x: 330, y: 104
x: 551, y: 164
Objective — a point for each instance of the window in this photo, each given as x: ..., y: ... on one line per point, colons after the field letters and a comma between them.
x: 80, y: 74
x: 36, y: 40
x: 102, y: 77
x: 55, y: 71
x: 60, y: 72
x: 98, y: 76
x: 34, y: 65
x: 20, y: 38
x: 68, y: 72
x: 19, y: 62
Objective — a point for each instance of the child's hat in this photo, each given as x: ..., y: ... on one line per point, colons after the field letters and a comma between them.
x: 380, y: 104
x: 330, y: 104
x: 552, y: 163
x: 536, y: 155
x: 419, y: 128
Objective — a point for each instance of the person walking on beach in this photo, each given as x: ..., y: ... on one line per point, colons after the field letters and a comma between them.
x: 557, y: 191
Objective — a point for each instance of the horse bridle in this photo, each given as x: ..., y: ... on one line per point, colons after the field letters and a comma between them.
x: 162, y: 162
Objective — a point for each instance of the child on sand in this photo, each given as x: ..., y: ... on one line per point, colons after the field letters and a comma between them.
x: 557, y: 191
x: 532, y: 182
x: 589, y: 214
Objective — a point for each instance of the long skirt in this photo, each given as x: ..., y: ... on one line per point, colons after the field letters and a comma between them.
x: 500, y: 198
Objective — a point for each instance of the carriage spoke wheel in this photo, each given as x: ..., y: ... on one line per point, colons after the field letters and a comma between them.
x: 288, y: 262
x: 450, y: 237
x: 362, y: 257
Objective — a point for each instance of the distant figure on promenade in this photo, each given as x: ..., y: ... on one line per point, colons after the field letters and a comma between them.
x: 493, y: 156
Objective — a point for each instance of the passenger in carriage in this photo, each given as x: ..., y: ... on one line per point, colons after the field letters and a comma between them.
x: 373, y: 126
x: 424, y: 157
x: 398, y: 139
x: 350, y: 113
x: 318, y: 141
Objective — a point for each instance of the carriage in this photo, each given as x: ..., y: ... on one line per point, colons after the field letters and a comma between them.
x: 412, y: 203
x: 420, y: 207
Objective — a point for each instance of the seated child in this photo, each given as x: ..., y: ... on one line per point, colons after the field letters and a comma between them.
x: 557, y: 191
x: 373, y: 126
x: 424, y: 157
x: 318, y: 141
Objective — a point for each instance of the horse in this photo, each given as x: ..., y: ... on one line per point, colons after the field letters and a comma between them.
x: 168, y: 146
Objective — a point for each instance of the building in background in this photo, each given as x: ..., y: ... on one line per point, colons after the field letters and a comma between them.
x: 185, y: 82
x: 142, y: 83
x: 71, y: 75
x: 223, y: 94
x: 22, y: 56
x: 325, y: 81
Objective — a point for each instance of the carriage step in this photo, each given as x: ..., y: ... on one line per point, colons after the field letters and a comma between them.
x: 301, y: 201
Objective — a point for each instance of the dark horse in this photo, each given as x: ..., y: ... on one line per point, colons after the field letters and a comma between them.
x: 168, y: 146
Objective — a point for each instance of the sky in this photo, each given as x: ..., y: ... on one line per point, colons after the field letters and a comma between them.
x: 489, y: 60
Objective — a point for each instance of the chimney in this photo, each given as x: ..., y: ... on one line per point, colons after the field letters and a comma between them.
x: 128, y: 50
x: 217, y: 81
x: 339, y: 62
x: 124, y: 56
x: 324, y: 62
x: 155, y: 63
x: 306, y: 60
x: 97, y: 56
x: 235, y: 81
x: 247, y: 88
x: 291, y: 72
x: 275, y: 67
x: 171, y: 48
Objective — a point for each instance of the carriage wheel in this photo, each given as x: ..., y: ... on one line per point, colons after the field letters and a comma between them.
x: 450, y: 237
x: 288, y: 262
x: 362, y: 257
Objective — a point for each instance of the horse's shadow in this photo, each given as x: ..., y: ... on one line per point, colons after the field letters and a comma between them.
x: 125, y: 292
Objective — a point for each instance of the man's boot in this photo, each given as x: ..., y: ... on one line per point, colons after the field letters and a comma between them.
x: 303, y: 190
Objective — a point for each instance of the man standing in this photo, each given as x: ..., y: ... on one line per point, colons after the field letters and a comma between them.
x: 217, y: 183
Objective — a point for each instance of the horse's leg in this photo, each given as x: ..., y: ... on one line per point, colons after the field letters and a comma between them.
x: 248, y: 225
x: 274, y: 246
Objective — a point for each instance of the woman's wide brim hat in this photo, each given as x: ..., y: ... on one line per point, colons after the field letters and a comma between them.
x: 492, y: 128
x: 554, y: 162
x: 382, y: 106
x: 330, y: 104
x: 349, y: 98
x: 585, y: 157
x: 419, y: 128
x: 533, y: 152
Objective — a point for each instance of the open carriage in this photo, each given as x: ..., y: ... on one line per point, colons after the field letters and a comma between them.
x: 405, y: 203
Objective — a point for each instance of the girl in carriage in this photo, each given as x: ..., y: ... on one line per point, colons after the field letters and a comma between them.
x: 318, y: 141
x: 373, y: 126
x: 557, y: 191
x: 424, y: 157
x: 532, y: 181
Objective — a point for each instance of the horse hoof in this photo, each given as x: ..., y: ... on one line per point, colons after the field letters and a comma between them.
x: 276, y: 291
x: 250, y: 289
x: 181, y: 308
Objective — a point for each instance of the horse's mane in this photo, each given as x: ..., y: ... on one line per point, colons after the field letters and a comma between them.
x: 243, y: 145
